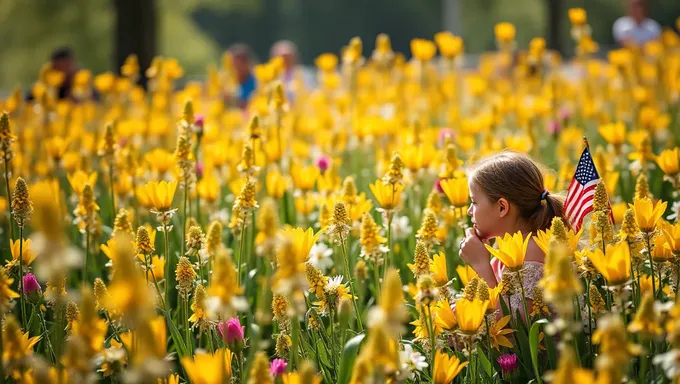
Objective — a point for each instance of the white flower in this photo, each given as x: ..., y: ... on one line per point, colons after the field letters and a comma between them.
x: 320, y: 257
x: 675, y: 209
x: 334, y: 283
x: 222, y: 216
x: 669, y: 362
x: 411, y: 362
x: 401, y: 228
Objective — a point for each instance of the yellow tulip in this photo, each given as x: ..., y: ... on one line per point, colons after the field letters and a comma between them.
x: 669, y: 161
x: 104, y: 82
x: 161, y: 194
x: 661, y: 251
x: 388, y: 195
x: 276, y: 184
x: 470, y: 314
x: 672, y: 234
x: 614, y: 266
x: 304, y: 176
x: 302, y: 241
x: 511, y: 250
x: 456, y: 190
x: 443, y: 316
x: 446, y: 368
x: 26, y: 251
x: 78, y: 179
x: 449, y: 45
x: 647, y: 214
x: 56, y: 147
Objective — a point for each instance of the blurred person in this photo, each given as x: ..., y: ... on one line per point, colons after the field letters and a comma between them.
x: 636, y: 27
x: 293, y: 73
x: 63, y: 60
x: 243, y: 61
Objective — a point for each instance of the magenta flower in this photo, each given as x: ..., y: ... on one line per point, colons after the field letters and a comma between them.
x: 31, y: 285
x: 564, y: 113
x: 438, y: 185
x: 508, y: 362
x: 277, y: 367
x: 199, y: 120
x: 231, y: 330
x: 323, y: 162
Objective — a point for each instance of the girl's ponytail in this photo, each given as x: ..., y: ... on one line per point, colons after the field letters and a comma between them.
x: 551, y: 206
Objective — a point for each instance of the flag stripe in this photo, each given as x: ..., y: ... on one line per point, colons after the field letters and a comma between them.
x: 581, y: 199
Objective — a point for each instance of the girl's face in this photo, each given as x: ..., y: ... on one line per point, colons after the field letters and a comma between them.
x: 484, y: 213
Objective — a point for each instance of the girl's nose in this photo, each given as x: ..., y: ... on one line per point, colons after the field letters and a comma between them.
x: 469, y: 211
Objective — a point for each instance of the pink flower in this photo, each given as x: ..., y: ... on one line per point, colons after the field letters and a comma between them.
x: 508, y: 362
x: 277, y: 367
x: 438, y: 185
x: 31, y: 285
x: 564, y: 113
x: 323, y: 162
x: 199, y: 120
x: 443, y: 134
x: 199, y: 169
x: 231, y: 330
x: 553, y: 127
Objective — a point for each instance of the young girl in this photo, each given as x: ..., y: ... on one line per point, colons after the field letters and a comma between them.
x: 507, y: 195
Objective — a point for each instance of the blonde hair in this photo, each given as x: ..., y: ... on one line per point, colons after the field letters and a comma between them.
x: 519, y: 180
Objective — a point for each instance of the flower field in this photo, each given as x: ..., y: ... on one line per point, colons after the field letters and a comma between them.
x: 167, y: 236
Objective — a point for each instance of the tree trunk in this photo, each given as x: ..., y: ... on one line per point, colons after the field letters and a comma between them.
x: 136, y: 27
x: 554, y: 19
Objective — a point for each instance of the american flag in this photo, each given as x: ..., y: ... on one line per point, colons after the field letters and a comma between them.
x: 579, y: 200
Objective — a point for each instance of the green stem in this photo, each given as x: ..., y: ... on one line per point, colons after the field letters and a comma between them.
x: 240, y: 255
x: 430, y: 334
x: 351, y: 284
x: 210, y: 341
x: 651, y: 263
x: 9, y: 201
x: 184, y: 215
x: 155, y: 282
x: 488, y: 333
x: 296, y: 341
x: 21, y: 277
x: 113, y: 196
x: 47, y: 336
x: 167, y: 263
x: 388, y: 260
x: 198, y: 198
x: 333, y: 346
x: 187, y: 329
x: 376, y: 274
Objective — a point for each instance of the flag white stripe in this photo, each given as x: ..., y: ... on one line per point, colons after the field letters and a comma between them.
x: 586, y: 201
x: 574, y: 202
x: 581, y: 202
x: 571, y: 200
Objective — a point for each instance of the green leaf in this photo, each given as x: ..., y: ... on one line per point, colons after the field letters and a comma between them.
x: 348, y: 357
x: 176, y: 337
x: 533, y: 344
x: 321, y: 350
x: 486, y: 364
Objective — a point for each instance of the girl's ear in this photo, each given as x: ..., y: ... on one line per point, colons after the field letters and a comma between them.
x: 503, y: 206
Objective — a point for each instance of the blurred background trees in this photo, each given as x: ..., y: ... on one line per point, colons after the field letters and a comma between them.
x: 196, y: 32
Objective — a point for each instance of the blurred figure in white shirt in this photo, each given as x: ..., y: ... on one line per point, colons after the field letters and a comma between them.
x: 294, y: 76
x: 636, y: 28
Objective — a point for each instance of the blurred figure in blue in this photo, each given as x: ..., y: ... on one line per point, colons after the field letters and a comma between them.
x: 636, y: 28
x: 243, y: 62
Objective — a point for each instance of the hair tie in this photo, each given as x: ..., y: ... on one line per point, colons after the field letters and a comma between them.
x: 545, y: 194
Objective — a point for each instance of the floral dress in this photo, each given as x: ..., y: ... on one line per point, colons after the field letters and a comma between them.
x: 531, y: 275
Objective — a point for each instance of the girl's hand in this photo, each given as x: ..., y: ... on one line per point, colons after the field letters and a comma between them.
x: 473, y: 252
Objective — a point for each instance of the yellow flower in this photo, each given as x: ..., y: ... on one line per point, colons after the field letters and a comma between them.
x: 326, y: 62
x: 646, y: 321
x: 449, y: 45
x: 505, y: 32
x: 422, y: 49
x: 276, y: 184
x: 27, y: 253
x: 647, y: 214
x: 387, y: 195
x: 302, y: 241
x: 6, y: 292
x: 56, y: 147
x: 577, y: 16
x: 104, y: 82
x: 669, y: 161
x: 438, y: 269
x: 443, y: 315
x: 208, y: 189
x: 498, y: 333
x: 446, y: 368
x: 672, y: 234
x: 304, y: 176
x: 78, y: 179
x: 511, y: 250
x: 465, y: 274
x: 17, y: 345
x: 614, y: 265
x: 660, y: 250
x: 204, y: 368
x: 456, y: 189
x: 614, y: 133
x: 161, y: 194
x: 470, y: 314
